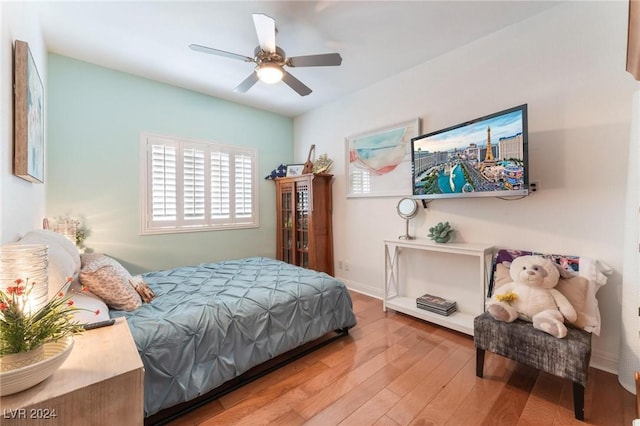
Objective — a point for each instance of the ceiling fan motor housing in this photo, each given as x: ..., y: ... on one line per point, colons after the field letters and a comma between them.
x: 277, y: 57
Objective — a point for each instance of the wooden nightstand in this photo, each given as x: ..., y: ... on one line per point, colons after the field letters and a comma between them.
x: 100, y: 383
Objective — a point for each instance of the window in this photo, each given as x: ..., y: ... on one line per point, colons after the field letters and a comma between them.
x: 191, y: 186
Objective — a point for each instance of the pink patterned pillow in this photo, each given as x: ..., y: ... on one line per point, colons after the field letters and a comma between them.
x: 109, y: 280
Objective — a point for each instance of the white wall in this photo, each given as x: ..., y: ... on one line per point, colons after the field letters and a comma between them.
x: 629, y: 341
x: 23, y: 203
x: 568, y: 65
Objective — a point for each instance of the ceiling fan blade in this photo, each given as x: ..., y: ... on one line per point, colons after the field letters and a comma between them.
x: 323, y: 60
x: 296, y: 84
x: 212, y: 51
x: 247, y: 83
x: 266, y: 31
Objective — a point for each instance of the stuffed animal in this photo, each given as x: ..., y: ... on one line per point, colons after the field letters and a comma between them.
x: 280, y: 171
x: 532, y: 296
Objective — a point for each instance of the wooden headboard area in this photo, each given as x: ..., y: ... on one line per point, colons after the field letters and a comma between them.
x: 633, y: 39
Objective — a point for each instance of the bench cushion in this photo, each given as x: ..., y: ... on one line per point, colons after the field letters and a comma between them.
x: 568, y: 357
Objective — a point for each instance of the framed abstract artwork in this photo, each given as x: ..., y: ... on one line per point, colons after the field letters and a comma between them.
x: 379, y: 161
x: 28, y: 130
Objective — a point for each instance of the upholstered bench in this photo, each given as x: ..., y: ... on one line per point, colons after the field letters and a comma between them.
x: 567, y: 357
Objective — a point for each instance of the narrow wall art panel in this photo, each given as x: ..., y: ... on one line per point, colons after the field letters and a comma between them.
x: 28, y: 116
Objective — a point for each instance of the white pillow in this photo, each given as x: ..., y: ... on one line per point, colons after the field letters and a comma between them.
x: 45, y: 236
x: 64, y: 258
x: 596, y: 272
x: 90, y: 307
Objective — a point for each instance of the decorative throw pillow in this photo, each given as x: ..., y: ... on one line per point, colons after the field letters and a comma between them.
x: 576, y: 289
x: 142, y: 288
x: 109, y: 280
x: 580, y: 279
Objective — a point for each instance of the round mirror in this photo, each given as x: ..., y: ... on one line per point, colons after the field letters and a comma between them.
x: 407, y: 209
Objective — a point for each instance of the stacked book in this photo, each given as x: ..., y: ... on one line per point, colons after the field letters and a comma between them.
x: 436, y: 304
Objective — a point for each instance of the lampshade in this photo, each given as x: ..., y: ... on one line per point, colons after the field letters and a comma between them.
x: 269, y: 73
x: 26, y: 262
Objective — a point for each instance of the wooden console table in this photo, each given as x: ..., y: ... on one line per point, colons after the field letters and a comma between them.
x: 398, y: 300
x: 100, y: 383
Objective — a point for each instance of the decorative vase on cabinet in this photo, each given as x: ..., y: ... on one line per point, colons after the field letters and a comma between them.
x: 304, y: 221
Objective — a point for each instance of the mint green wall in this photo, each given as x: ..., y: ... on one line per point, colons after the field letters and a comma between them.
x: 95, y: 116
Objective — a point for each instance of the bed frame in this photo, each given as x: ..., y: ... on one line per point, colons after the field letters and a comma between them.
x: 169, y: 414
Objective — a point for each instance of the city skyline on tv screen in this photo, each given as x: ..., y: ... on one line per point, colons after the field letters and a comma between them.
x: 484, y: 157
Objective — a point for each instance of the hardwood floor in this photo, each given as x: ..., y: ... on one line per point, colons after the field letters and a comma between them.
x: 397, y: 370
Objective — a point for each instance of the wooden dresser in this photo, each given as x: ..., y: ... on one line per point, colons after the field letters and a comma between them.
x: 100, y: 383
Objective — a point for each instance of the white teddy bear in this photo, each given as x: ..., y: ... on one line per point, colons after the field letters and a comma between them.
x: 532, y: 296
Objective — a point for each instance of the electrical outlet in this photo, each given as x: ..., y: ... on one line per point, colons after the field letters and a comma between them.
x: 347, y: 266
x: 534, y: 186
x: 340, y: 264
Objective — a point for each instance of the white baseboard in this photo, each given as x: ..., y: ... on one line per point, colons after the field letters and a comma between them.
x: 601, y: 361
x: 604, y: 362
x: 363, y: 289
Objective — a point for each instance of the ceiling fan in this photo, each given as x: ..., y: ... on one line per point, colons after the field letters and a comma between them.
x: 270, y: 60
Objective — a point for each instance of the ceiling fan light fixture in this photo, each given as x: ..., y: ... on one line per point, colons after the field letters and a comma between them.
x: 270, y: 60
x: 269, y: 73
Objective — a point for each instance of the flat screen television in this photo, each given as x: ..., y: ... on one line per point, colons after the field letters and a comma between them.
x: 485, y: 157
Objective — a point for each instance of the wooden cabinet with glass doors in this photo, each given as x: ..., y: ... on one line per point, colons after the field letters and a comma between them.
x: 304, y: 221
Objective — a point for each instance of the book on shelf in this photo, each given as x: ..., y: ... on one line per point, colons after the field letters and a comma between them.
x: 436, y: 302
x: 430, y: 308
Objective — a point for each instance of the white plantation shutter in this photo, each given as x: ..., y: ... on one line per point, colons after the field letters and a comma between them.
x: 190, y: 185
x: 193, y: 182
x: 163, y: 182
x: 220, y: 186
x: 243, y: 185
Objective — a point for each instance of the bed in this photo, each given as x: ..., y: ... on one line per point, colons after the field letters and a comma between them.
x: 213, y: 323
x: 224, y: 318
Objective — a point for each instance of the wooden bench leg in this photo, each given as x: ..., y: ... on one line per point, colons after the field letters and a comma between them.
x: 479, y: 362
x: 578, y: 400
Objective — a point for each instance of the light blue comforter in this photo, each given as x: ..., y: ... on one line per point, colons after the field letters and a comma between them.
x: 212, y: 322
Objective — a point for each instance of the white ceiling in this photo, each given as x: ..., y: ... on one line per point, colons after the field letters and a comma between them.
x: 376, y: 39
